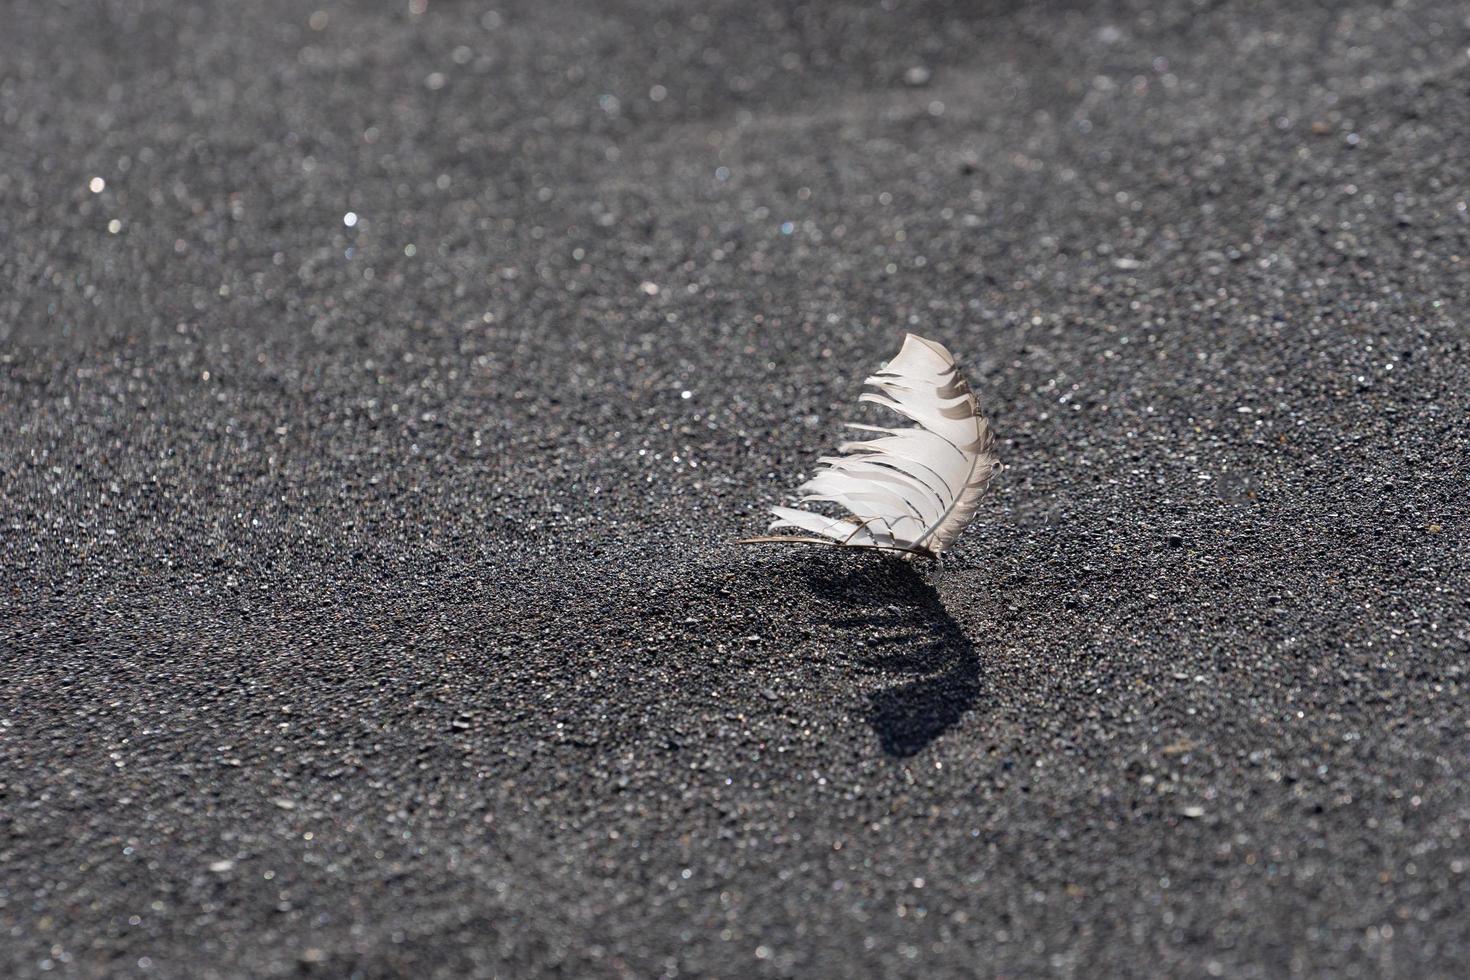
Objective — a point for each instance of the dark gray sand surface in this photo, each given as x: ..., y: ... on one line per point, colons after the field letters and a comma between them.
x: 381, y: 388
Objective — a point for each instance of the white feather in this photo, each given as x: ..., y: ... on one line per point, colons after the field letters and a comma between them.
x: 911, y: 489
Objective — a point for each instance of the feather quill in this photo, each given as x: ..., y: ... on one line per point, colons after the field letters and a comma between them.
x: 910, y: 490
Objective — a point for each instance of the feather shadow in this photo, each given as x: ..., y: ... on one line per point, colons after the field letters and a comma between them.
x: 909, y: 634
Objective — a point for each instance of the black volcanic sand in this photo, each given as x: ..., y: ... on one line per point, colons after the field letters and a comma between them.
x: 368, y: 602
